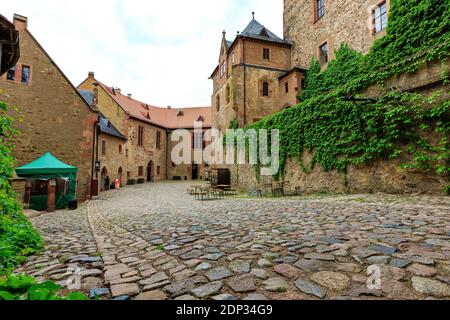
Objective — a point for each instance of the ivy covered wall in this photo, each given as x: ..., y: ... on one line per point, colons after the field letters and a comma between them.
x: 340, y: 127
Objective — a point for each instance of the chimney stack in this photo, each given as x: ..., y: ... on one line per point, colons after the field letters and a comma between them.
x: 91, y: 75
x: 20, y: 22
x: 129, y: 96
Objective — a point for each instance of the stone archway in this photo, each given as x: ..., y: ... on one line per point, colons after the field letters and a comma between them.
x: 120, y: 175
x: 150, y: 171
x: 104, y: 175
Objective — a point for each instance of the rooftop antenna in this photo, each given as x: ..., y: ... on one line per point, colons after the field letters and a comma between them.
x: 253, y: 14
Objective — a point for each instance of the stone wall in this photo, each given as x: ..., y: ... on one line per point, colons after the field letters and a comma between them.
x: 141, y: 156
x: 183, y: 171
x: 112, y: 160
x: 55, y: 117
x: 344, y: 21
x: 379, y: 176
x: 245, y: 79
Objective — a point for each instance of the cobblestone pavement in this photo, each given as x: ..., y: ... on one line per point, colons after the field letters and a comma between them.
x: 156, y: 242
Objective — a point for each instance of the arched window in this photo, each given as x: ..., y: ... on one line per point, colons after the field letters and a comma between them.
x: 265, y: 89
x: 218, y: 103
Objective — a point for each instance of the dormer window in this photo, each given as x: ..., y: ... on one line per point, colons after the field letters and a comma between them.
x: 264, y: 33
x: 180, y: 114
x: 200, y: 119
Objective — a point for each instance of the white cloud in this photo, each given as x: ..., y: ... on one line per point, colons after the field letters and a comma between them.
x: 160, y: 51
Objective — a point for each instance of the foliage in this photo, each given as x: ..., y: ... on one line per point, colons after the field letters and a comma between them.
x: 341, y: 128
x: 234, y: 124
x: 21, y: 287
x: 342, y: 132
x: 414, y: 26
x: 347, y: 65
x: 18, y: 239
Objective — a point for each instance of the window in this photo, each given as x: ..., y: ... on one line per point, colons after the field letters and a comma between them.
x: 158, y: 170
x: 198, y: 140
x: 141, y: 171
x: 158, y: 140
x: 266, y: 53
x: 286, y: 87
x: 103, y: 148
x: 265, y: 89
x: 218, y: 103
x: 232, y: 58
x: 128, y: 174
x: 228, y: 94
x: 140, y: 136
x: 11, y: 75
x: 25, y: 74
x: 380, y: 17
x: 323, y: 53
x: 120, y: 149
x: 319, y: 9
x: 126, y: 153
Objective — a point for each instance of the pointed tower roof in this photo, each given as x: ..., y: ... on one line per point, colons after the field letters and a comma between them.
x: 258, y: 31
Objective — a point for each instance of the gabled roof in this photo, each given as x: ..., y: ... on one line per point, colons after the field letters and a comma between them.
x: 104, y: 124
x: 108, y: 128
x: 257, y: 31
x: 167, y: 118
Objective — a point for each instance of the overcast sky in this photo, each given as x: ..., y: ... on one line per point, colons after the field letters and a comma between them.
x: 160, y: 51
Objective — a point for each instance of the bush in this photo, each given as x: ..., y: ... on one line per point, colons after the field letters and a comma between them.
x: 21, y: 287
x: 141, y: 181
x: 131, y: 182
x: 18, y: 239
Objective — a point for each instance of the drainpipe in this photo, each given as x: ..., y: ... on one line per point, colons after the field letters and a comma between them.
x: 1, y: 51
x: 245, y: 84
x: 167, y: 154
x: 94, y: 153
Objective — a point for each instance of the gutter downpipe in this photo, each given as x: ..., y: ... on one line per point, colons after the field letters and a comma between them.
x: 245, y: 84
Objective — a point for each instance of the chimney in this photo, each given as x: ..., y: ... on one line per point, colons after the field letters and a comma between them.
x: 91, y: 75
x: 169, y: 107
x: 20, y: 22
x: 129, y: 96
x: 118, y: 90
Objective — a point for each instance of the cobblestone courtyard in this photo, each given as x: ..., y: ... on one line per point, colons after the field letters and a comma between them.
x: 155, y: 241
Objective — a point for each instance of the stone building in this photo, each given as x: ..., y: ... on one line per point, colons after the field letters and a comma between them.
x: 140, y: 150
x: 259, y: 73
x: 55, y: 116
x: 316, y: 28
x: 254, y: 77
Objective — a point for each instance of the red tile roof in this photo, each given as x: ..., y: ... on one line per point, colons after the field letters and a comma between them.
x: 162, y: 117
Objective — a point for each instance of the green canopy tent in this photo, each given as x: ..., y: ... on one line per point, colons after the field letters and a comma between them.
x: 46, y: 168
